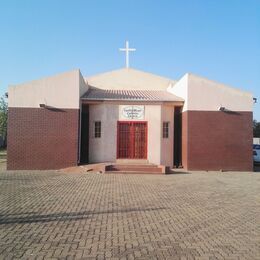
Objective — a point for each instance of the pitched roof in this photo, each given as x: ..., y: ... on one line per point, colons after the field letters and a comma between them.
x: 130, y: 95
x: 130, y: 79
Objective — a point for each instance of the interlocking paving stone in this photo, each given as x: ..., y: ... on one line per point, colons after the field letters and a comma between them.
x: 54, y: 215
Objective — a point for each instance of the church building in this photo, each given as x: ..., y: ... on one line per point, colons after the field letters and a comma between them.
x: 129, y: 116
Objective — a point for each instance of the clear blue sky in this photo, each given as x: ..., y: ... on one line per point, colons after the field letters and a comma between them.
x: 218, y: 39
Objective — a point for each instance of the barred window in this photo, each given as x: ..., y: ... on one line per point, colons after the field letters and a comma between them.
x: 166, y: 129
x: 97, y: 129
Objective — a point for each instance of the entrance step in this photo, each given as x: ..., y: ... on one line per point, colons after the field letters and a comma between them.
x: 135, y: 168
x: 133, y: 161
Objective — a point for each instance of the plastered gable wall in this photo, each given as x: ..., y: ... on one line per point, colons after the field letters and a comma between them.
x: 59, y: 91
x: 104, y: 149
x: 208, y: 95
x: 83, y: 85
x: 180, y: 89
x: 129, y: 79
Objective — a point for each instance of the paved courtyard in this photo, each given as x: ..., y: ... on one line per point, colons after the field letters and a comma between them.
x: 54, y: 215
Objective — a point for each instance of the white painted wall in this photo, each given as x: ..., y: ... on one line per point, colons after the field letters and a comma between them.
x: 153, y: 116
x: 104, y: 149
x: 206, y: 95
x: 167, y: 143
x: 256, y: 140
x: 83, y: 86
x: 180, y: 89
x: 59, y: 91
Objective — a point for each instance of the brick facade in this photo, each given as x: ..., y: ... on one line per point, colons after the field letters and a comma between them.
x: 48, y: 139
x: 214, y: 140
x: 184, y: 137
x: 41, y: 138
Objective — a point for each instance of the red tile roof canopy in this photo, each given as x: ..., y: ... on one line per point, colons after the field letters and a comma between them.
x: 94, y: 94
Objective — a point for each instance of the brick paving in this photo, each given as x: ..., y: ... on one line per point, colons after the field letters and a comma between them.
x: 54, y: 215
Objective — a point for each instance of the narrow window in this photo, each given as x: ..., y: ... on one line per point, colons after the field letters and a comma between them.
x: 97, y: 129
x: 166, y: 129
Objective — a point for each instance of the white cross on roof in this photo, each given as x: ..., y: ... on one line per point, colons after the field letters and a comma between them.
x: 127, y: 50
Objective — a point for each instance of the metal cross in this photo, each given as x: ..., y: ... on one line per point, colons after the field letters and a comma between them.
x: 127, y: 50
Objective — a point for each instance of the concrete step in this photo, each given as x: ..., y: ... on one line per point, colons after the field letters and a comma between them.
x: 134, y: 172
x: 148, y: 166
x: 138, y: 168
x: 132, y: 161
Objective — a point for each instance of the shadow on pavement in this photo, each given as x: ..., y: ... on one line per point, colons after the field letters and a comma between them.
x: 64, y: 216
x: 177, y: 171
x: 257, y: 168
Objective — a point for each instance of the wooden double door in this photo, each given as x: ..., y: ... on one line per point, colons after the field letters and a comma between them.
x: 131, y: 140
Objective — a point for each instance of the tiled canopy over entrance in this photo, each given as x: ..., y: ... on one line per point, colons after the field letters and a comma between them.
x: 130, y: 95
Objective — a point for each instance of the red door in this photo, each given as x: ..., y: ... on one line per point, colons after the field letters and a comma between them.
x: 132, y: 140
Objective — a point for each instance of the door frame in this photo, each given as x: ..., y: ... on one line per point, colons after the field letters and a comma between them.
x: 146, y: 137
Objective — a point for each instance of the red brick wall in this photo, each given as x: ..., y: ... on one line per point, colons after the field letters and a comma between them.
x: 184, y: 140
x: 43, y: 139
x: 217, y: 140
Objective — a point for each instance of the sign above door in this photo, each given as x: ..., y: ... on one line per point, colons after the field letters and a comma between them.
x: 131, y: 112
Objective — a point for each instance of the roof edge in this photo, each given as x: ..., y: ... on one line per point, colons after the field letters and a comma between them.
x: 45, y: 77
x: 122, y: 69
x: 223, y: 85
